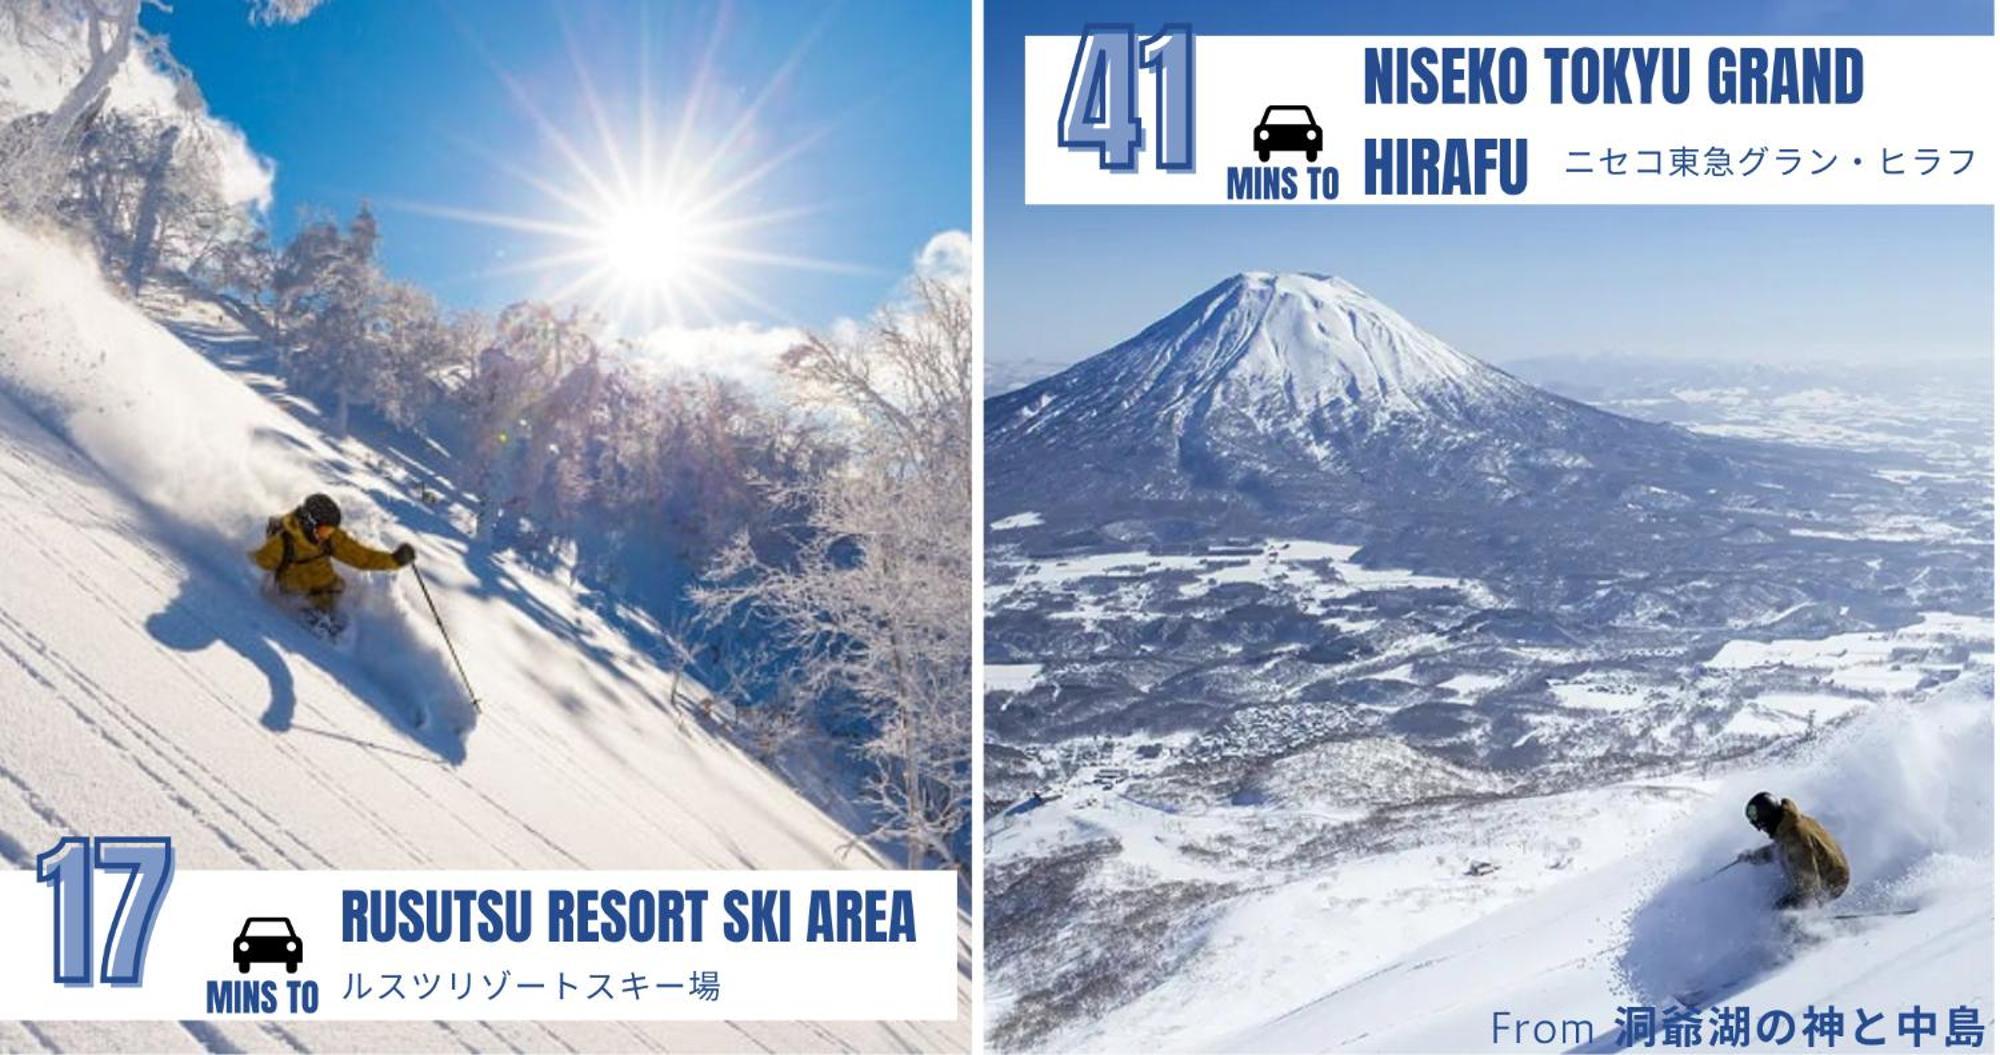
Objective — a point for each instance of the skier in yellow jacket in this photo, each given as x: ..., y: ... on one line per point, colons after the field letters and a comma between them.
x: 1815, y: 869
x: 300, y: 547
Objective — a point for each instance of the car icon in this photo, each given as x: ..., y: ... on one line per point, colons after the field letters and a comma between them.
x: 1288, y: 128
x: 268, y: 939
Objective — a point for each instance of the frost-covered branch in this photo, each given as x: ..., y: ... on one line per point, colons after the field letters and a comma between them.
x: 873, y: 602
x: 36, y: 156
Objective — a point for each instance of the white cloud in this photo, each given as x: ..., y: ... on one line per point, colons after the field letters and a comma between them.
x: 749, y: 352
x: 246, y: 176
x: 744, y: 352
x: 948, y: 255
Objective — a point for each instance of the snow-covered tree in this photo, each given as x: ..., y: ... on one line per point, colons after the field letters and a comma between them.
x: 38, y: 158
x: 681, y: 463
x: 569, y: 425
x: 236, y: 274
x: 348, y: 332
x: 148, y: 215
x: 411, y: 344
x: 40, y: 152
x: 874, y: 604
x: 514, y: 402
x: 327, y: 294
x: 146, y: 190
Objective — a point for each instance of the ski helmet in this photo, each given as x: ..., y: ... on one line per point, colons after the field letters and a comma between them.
x: 319, y: 511
x: 1763, y: 811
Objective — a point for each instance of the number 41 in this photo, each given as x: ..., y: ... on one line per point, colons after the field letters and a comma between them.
x: 1097, y: 111
x: 148, y: 865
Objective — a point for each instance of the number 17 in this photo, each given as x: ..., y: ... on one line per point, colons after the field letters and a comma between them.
x: 70, y: 868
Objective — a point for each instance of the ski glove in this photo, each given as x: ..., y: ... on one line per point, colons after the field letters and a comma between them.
x: 405, y: 555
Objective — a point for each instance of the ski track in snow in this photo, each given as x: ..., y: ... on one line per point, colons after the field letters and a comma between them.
x: 150, y: 688
x: 189, y: 769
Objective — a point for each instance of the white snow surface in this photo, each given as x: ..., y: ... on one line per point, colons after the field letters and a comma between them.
x: 1012, y: 677
x: 1016, y: 522
x: 149, y: 687
x: 1327, y: 341
x: 1907, y: 788
x: 1320, y: 572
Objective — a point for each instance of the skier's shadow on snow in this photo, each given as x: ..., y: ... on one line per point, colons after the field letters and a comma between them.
x: 195, y: 619
x: 184, y: 627
x: 1706, y: 937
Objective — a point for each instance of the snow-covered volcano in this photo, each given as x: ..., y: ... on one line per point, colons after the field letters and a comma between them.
x: 1301, y: 402
x: 1275, y: 346
x: 1298, y: 392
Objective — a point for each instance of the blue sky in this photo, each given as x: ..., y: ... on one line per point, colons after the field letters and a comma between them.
x: 1502, y: 283
x: 1756, y: 284
x: 400, y: 103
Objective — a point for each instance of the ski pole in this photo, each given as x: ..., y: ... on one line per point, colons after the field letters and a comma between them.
x: 442, y: 632
x: 1721, y: 870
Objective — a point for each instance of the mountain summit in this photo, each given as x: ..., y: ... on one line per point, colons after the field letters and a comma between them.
x: 1294, y: 344
x: 1274, y: 387
x: 1299, y: 402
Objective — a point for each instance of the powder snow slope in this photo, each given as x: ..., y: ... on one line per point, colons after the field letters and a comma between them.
x: 1909, y: 791
x: 148, y: 687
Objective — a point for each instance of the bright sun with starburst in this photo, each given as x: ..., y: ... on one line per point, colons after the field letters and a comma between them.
x: 655, y: 252
x: 649, y: 226
x: 651, y: 247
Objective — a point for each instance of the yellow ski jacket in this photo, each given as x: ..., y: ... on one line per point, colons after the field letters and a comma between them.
x: 303, y: 565
x: 1812, y: 861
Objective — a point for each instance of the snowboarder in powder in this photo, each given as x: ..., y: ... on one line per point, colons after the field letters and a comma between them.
x: 300, y: 547
x: 1815, y: 869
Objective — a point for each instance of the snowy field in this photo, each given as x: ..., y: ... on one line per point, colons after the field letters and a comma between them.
x: 1937, y: 411
x: 1859, y: 661
x: 1015, y: 522
x: 1317, y: 573
x: 1012, y: 677
x: 150, y: 688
